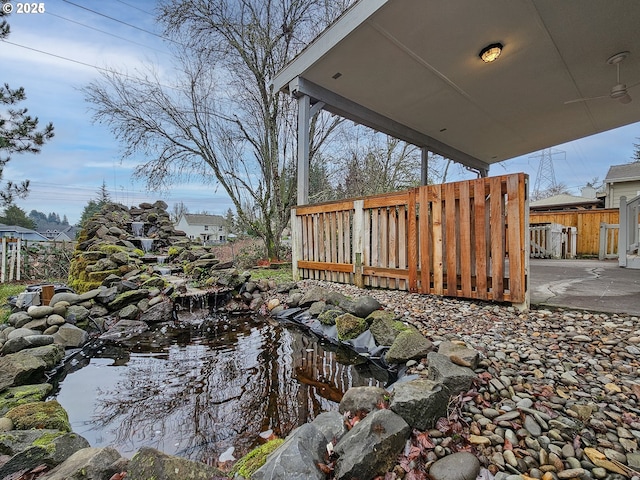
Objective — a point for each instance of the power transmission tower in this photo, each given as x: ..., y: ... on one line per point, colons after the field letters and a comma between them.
x: 546, y: 177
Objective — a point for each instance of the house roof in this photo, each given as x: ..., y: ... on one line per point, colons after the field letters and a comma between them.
x: 411, y: 68
x: 564, y: 200
x: 628, y: 172
x: 200, y: 219
x: 24, y: 233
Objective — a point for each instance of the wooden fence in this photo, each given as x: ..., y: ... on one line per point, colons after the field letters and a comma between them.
x: 587, y: 223
x: 22, y: 260
x: 465, y: 239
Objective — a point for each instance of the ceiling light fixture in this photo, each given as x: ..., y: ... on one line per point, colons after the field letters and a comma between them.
x: 490, y: 53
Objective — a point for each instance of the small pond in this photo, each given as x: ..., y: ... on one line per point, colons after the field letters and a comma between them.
x: 201, y: 386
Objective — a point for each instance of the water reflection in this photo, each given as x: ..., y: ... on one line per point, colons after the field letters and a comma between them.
x: 196, y: 390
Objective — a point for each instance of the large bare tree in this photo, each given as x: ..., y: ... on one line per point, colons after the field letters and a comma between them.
x: 220, y: 119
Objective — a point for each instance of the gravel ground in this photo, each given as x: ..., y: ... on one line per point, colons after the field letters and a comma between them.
x: 558, y: 392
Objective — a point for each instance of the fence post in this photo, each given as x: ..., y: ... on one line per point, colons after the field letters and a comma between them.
x: 296, y: 244
x: 3, y: 267
x: 622, y: 233
x: 19, y: 259
x: 358, y: 241
x: 603, y: 241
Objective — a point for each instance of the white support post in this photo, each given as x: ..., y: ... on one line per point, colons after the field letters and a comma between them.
x: 304, y: 116
x: 622, y: 233
x: 296, y: 244
x: 3, y: 267
x: 19, y: 260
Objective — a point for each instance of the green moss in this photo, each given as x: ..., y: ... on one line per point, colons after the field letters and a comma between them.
x: 349, y: 326
x: 252, y: 461
x: 39, y: 415
x: 109, y: 248
x: 14, y: 396
x: 173, y: 251
x: 46, y: 441
x: 138, y: 252
x: 401, y: 327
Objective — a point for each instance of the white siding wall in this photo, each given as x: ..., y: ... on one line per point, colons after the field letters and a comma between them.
x: 617, y: 190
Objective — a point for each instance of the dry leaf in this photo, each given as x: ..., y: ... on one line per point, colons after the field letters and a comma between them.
x: 600, y: 460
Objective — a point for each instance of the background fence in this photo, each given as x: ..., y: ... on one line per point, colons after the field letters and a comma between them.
x: 21, y: 260
x: 586, y: 222
x: 464, y: 239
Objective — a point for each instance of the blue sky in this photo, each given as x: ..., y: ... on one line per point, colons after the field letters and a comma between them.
x: 55, y: 53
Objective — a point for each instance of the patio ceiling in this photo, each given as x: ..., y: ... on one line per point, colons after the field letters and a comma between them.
x: 411, y: 68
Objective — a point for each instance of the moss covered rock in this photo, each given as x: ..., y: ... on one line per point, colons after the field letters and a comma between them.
x: 15, y: 396
x: 40, y: 415
x: 349, y: 326
x: 252, y: 461
x: 328, y: 317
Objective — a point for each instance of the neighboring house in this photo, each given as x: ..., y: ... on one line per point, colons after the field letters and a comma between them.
x: 566, y: 202
x: 206, y: 228
x: 13, y: 231
x: 63, y: 234
x: 622, y: 180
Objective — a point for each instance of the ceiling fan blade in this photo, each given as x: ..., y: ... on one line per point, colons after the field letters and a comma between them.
x: 585, y: 99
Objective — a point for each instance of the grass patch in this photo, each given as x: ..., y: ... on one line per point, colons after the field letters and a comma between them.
x: 8, y: 290
x: 279, y: 275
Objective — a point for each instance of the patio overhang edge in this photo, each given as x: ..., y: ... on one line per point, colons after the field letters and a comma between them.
x: 346, y: 108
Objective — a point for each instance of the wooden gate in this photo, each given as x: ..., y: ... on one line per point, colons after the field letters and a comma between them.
x: 465, y: 239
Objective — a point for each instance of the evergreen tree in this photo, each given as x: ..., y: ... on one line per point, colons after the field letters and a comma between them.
x: 18, y: 132
x: 14, y: 215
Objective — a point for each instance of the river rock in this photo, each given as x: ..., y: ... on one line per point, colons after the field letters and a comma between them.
x: 107, y: 295
x: 419, y: 402
x: 39, y: 311
x: 410, y: 344
x: 150, y: 463
x: 55, y: 319
x: 129, y: 312
x: 38, y: 415
x: 384, y: 327
x: 76, y: 313
x: 18, y: 319
x: 128, y: 297
x: 125, y: 330
x: 297, y: 457
x: 328, y: 317
x: 66, y: 297
x: 89, y: 464
x: 370, y: 448
x: 70, y: 336
x: 160, y: 312
x: 457, y: 466
x: 21, y: 332
x: 364, y: 306
x: 50, y: 447
x: 315, y: 294
x: 25, y: 368
x: 460, y: 354
x: 362, y: 399
x: 349, y: 326
x: 454, y: 378
x: 20, y: 343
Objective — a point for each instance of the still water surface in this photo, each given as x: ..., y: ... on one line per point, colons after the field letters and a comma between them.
x: 201, y: 386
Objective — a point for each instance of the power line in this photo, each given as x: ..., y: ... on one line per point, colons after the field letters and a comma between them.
x: 107, y: 70
x: 123, y: 23
x: 137, y: 8
x: 105, y: 32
